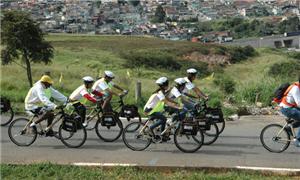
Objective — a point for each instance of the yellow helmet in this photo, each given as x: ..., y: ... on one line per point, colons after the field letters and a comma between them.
x: 46, y: 79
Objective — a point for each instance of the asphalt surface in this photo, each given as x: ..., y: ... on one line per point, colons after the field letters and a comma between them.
x: 238, y: 145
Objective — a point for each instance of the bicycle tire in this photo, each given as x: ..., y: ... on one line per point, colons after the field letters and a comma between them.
x: 262, y: 140
x: 105, y: 139
x: 199, y: 141
x: 64, y: 140
x: 126, y: 142
x: 221, y: 126
x: 12, y: 136
x: 214, y: 134
x: 10, y: 118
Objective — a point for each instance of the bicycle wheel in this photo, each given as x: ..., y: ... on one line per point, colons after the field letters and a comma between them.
x: 210, y: 136
x: 221, y: 126
x: 136, y: 140
x: 109, y: 133
x: 91, y: 123
x: 20, y: 133
x: 73, y: 139
x: 7, y: 117
x: 188, y: 143
x: 275, y: 138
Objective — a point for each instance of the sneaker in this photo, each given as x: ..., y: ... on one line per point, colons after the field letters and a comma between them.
x: 166, y: 138
x: 84, y: 124
x: 50, y: 133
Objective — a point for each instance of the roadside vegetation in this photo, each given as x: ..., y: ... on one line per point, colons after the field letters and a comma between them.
x: 52, y: 171
x: 247, y: 73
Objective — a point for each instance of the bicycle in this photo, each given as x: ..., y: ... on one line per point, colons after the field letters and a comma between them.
x: 207, y: 124
x: 70, y: 130
x: 6, y: 111
x: 274, y: 135
x: 108, y: 126
x: 214, y: 114
x: 184, y: 135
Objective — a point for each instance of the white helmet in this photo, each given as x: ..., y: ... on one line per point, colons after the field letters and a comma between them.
x: 88, y: 79
x: 191, y: 71
x: 180, y: 81
x: 109, y: 74
x: 162, y: 81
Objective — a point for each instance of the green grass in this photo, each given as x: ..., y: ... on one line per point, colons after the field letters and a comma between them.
x: 52, y: 171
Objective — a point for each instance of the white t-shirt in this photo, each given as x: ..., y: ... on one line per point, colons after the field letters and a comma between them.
x: 175, y: 93
x: 101, y: 85
x: 292, y: 97
x: 154, y: 99
x: 79, y: 93
x: 188, y: 86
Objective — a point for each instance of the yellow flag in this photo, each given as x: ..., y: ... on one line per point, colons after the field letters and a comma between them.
x: 60, y: 79
x: 128, y: 73
x: 210, y: 77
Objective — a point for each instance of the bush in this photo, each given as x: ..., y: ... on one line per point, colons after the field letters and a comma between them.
x: 295, y: 55
x: 239, y: 54
x: 151, y: 59
x: 285, y: 69
x: 263, y: 91
x: 226, y: 84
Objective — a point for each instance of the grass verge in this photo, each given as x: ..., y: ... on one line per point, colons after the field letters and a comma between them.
x: 53, y: 171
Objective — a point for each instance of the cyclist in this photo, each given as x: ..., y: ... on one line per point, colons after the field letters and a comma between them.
x: 191, y: 76
x: 155, y: 105
x: 105, y: 86
x: 38, y: 103
x: 290, y: 105
x: 176, y: 95
x: 82, y: 92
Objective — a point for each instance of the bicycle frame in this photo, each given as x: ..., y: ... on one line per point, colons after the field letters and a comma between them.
x: 292, y: 129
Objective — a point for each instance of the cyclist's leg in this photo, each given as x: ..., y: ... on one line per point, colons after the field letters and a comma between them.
x: 106, y: 104
x: 293, y: 113
x: 42, y: 115
x: 80, y: 110
x: 161, y: 120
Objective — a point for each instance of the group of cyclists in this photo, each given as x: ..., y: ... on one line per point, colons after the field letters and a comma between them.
x: 38, y: 100
x: 176, y: 99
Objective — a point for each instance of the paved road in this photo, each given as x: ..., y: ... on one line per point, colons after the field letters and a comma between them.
x: 239, y: 145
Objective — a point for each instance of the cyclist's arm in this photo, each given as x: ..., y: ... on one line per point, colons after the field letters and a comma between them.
x: 171, y: 104
x: 199, y: 93
x: 57, y: 95
x: 118, y: 87
x: 190, y: 95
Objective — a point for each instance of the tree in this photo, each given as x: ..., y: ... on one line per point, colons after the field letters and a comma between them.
x: 160, y: 14
x: 23, y: 39
x: 290, y: 25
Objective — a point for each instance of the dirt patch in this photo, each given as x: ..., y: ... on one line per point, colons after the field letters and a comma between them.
x: 211, y: 59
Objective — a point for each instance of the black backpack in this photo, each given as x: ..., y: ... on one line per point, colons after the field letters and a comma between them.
x: 5, y: 104
x: 279, y: 92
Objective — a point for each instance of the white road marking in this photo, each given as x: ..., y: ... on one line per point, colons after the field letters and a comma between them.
x: 103, y: 164
x: 268, y: 169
